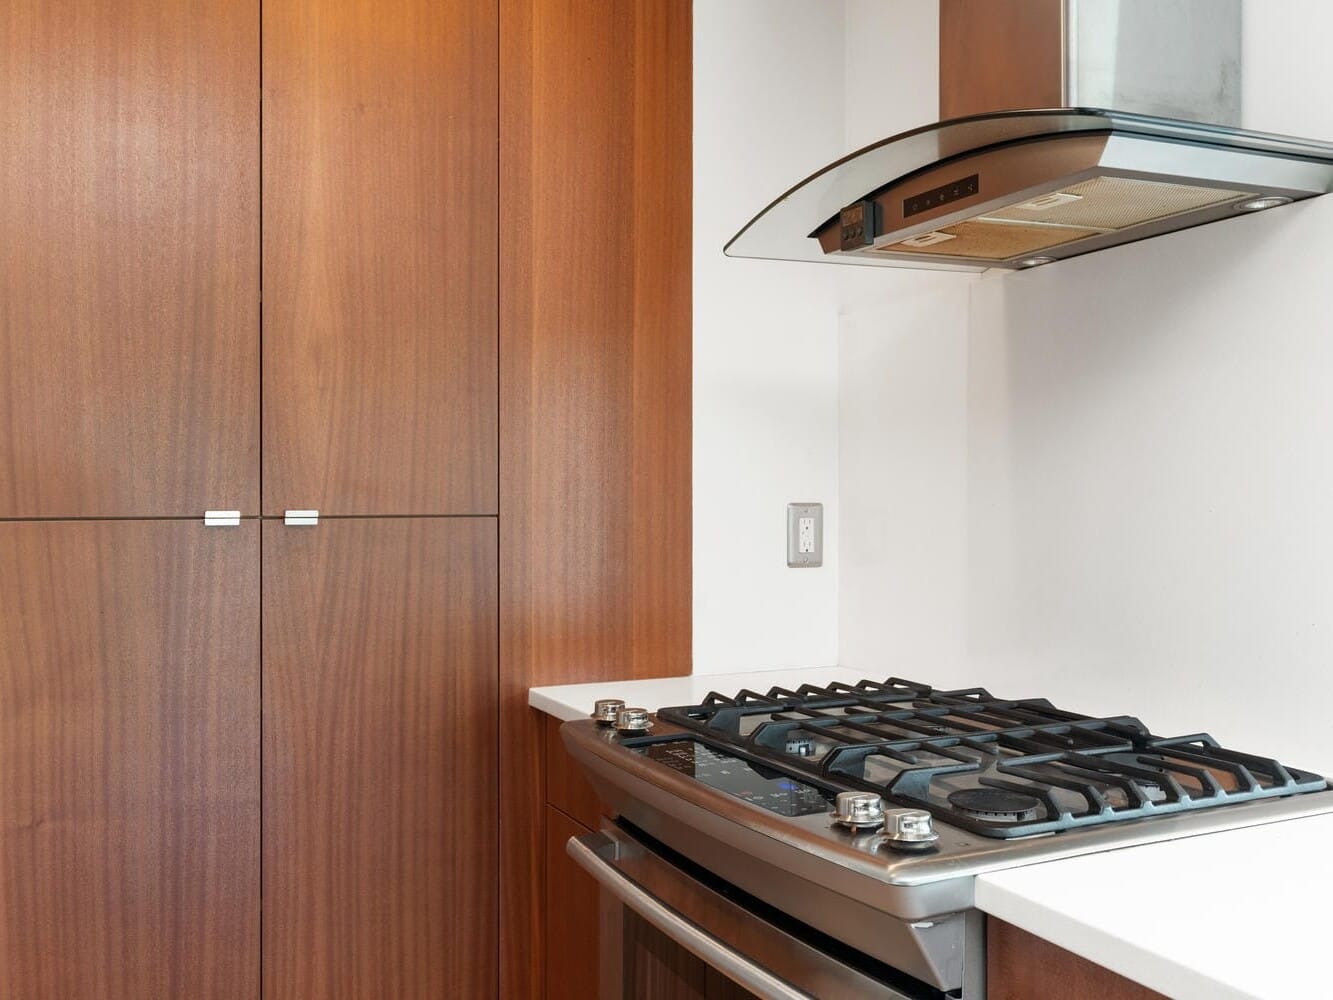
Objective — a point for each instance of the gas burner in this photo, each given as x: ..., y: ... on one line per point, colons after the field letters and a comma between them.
x: 800, y: 746
x: 996, y: 805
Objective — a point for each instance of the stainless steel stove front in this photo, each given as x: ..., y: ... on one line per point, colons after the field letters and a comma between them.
x: 641, y: 883
x: 913, y: 912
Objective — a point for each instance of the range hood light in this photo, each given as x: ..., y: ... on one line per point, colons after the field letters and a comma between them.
x: 1259, y: 204
x: 1027, y: 262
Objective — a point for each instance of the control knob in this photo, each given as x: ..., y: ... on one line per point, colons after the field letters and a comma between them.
x: 633, y: 720
x: 858, y: 809
x: 604, y: 710
x: 909, y: 830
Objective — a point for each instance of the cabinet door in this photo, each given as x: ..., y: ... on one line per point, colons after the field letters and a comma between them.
x: 129, y: 257
x: 129, y: 760
x: 380, y: 179
x: 380, y: 807
x: 572, y: 943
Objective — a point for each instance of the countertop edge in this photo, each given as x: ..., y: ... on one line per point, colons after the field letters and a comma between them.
x: 574, y: 701
x: 1101, y: 946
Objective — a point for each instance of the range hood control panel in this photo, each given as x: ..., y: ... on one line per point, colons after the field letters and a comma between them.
x: 965, y: 187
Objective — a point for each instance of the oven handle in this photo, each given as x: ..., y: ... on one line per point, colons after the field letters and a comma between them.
x: 730, y: 963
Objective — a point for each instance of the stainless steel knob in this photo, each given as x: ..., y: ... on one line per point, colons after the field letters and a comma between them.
x: 909, y: 830
x: 633, y: 720
x: 858, y: 809
x: 604, y: 710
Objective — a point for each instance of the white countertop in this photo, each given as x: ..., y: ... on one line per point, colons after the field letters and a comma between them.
x: 1213, y: 917
x: 574, y: 701
x: 1237, y: 914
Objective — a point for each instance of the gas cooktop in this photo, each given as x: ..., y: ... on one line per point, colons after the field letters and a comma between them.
x: 865, y: 811
x: 994, y: 767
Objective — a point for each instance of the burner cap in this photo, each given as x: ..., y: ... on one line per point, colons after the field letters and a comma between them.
x: 995, y: 804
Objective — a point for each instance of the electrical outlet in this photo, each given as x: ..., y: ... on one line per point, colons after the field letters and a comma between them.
x: 805, y: 535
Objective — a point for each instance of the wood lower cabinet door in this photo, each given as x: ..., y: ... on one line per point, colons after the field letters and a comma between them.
x: 1020, y: 966
x: 129, y: 760
x: 573, y: 934
x: 380, y: 256
x: 380, y: 805
x: 129, y: 257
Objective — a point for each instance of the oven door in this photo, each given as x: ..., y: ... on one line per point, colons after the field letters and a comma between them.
x: 669, y: 931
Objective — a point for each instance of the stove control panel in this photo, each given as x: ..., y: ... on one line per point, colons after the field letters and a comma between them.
x: 757, y: 785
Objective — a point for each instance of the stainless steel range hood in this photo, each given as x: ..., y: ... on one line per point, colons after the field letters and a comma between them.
x: 1071, y: 126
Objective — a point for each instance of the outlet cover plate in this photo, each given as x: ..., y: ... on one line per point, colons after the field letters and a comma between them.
x: 805, y: 535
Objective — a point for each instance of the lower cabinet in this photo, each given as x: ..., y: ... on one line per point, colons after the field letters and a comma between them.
x: 380, y: 773
x: 129, y: 760
x: 133, y: 717
x: 573, y: 953
x: 1020, y: 966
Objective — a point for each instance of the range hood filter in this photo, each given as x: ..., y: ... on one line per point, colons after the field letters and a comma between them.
x: 1095, y: 207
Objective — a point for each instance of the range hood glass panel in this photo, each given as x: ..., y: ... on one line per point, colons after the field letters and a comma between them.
x: 1110, y: 203
x: 781, y: 231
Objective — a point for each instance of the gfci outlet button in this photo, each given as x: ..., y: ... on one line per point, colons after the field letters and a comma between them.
x: 805, y: 534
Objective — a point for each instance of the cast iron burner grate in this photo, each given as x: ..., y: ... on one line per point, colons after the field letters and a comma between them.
x: 995, y: 767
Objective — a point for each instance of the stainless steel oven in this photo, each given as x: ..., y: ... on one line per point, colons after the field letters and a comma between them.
x: 824, y: 841
x: 670, y: 929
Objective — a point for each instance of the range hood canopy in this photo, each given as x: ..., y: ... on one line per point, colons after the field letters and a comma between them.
x: 1009, y: 183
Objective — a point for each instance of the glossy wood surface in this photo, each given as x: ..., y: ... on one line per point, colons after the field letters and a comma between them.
x: 1021, y: 966
x: 566, y: 787
x: 129, y: 258
x: 1000, y: 55
x: 379, y: 831
x: 595, y: 318
x: 380, y: 255
x: 129, y: 760
x: 572, y: 940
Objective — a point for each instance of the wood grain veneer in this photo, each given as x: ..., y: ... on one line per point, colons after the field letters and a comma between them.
x: 1000, y: 55
x: 380, y: 249
x: 129, y: 760
x: 595, y: 318
x: 129, y: 264
x: 379, y: 792
x: 572, y: 942
x: 1021, y: 966
x: 566, y: 787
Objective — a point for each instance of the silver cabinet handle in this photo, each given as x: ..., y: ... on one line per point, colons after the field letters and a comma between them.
x: 730, y: 963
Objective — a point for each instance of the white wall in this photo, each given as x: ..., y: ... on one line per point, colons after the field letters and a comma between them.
x: 768, y: 111
x: 771, y: 107
x: 1131, y: 460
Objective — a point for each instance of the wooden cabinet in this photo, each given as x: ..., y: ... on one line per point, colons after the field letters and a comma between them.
x: 129, y: 272
x: 129, y: 760
x: 143, y: 207
x: 595, y: 339
x: 571, y: 940
x: 572, y: 936
x: 380, y: 256
x: 1020, y: 966
x: 380, y: 785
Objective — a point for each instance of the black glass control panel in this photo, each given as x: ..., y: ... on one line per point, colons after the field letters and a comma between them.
x: 751, y: 783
